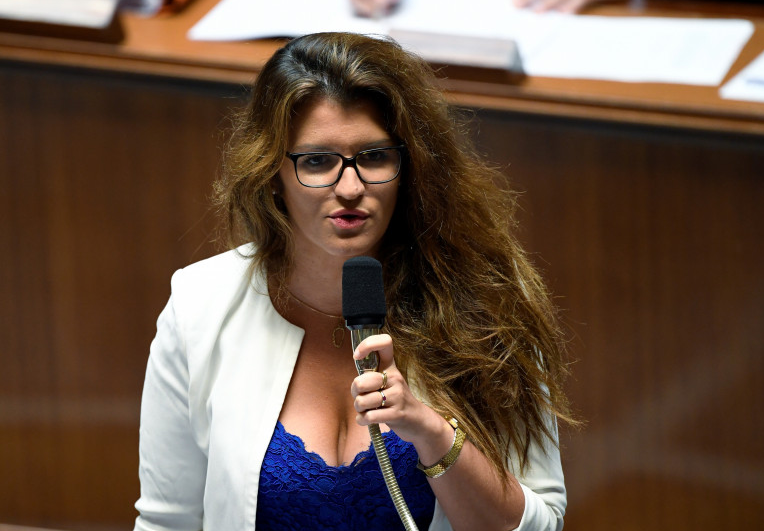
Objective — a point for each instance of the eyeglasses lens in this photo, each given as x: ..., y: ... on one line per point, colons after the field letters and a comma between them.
x: 373, y: 166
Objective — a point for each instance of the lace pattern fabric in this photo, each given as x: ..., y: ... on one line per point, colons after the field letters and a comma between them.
x: 298, y: 490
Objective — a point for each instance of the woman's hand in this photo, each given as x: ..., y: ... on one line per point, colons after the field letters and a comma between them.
x: 562, y: 6
x: 374, y: 8
x: 402, y: 412
x: 470, y: 492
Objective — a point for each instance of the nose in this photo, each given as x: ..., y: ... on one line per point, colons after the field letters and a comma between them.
x: 350, y: 185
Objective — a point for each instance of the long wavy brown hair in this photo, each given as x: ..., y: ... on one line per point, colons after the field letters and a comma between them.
x: 473, y: 325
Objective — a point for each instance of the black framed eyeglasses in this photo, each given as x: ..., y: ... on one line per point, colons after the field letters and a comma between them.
x: 324, y: 168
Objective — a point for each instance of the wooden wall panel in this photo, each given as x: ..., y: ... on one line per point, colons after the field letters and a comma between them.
x: 105, y: 184
x: 651, y: 239
x: 649, y: 236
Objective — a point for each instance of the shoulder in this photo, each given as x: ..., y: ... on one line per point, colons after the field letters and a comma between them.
x: 214, y: 285
x: 223, y: 269
x: 216, y: 276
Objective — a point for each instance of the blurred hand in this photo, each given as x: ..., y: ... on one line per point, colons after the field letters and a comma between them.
x: 561, y: 6
x: 374, y: 8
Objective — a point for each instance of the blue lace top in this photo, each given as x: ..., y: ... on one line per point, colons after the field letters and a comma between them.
x: 298, y: 490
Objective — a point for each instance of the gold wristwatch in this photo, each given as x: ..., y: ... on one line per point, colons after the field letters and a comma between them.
x: 439, y: 468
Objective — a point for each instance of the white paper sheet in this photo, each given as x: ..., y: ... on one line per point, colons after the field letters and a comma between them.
x: 84, y: 13
x: 748, y: 84
x: 640, y: 49
x: 232, y: 20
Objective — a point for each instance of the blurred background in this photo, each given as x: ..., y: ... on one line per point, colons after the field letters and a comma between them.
x: 641, y: 203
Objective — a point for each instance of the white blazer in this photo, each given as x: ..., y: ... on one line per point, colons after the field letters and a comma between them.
x: 217, y: 375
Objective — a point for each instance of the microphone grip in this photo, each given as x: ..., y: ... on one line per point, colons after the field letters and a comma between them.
x: 370, y: 362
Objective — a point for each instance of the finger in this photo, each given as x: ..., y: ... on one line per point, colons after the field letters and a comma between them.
x: 575, y: 6
x: 383, y: 415
x: 561, y: 6
x: 369, y: 382
x: 371, y: 401
x: 373, y: 416
x: 542, y: 6
x: 373, y: 8
x: 362, y: 7
x: 537, y: 6
x: 382, y: 344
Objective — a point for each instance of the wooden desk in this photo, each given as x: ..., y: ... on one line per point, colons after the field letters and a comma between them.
x: 642, y: 203
x: 6, y: 527
x: 159, y: 47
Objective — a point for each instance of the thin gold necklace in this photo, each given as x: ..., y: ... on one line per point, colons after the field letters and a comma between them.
x: 338, y: 334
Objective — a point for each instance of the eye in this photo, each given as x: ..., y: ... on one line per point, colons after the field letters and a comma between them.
x: 316, y: 162
x: 376, y: 158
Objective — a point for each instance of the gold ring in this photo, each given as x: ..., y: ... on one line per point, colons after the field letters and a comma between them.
x: 384, y: 380
x: 384, y: 399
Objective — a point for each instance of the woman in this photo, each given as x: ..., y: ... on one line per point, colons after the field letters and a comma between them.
x: 253, y: 415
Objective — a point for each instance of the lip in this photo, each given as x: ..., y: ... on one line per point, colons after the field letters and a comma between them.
x: 348, y: 218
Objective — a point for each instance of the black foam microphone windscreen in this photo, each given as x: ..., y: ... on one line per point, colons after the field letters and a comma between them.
x: 363, y: 292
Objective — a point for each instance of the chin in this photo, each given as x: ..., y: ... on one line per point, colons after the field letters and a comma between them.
x: 349, y: 251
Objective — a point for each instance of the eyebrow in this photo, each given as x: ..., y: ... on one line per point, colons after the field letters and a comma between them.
x: 321, y: 148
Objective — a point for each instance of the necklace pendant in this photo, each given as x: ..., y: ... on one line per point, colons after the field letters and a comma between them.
x: 338, y: 336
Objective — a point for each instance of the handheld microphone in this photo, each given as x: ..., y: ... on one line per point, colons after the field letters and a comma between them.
x: 363, y: 304
x: 364, y: 310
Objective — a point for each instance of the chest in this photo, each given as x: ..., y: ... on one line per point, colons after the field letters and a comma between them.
x: 318, y: 406
x: 298, y: 490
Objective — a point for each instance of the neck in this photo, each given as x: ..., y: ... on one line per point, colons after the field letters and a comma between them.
x: 318, y: 284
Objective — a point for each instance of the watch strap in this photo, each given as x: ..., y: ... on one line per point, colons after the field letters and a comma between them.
x: 440, y: 468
